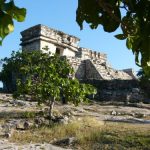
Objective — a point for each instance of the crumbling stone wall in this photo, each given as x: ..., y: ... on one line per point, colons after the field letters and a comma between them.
x: 117, y: 90
x: 40, y: 36
x: 96, y: 69
x: 79, y: 67
x: 105, y: 71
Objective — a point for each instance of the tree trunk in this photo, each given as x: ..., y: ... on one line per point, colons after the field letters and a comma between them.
x: 51, y: 105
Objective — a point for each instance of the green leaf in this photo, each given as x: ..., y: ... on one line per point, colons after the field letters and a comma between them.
x: 8, y: 12
x: 120, y: 36
x: 19, y: 14
x: 109, y: 24
x: 15, y: 12
x: 6, y: 26
x: 129, y: 43
x: 11, y: 27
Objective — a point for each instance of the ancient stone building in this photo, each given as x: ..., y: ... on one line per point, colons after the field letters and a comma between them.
x: 90, y: 66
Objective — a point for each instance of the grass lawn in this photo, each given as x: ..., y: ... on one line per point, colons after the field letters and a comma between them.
x: 91, y: 134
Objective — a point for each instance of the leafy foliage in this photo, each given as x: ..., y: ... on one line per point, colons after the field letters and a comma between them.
x: 9, y: 66
x: 46, y: 78
x: 133, y: 16
x: 9, y: 12
x: 144, y: 82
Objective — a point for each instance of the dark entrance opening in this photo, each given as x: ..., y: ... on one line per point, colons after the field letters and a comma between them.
x: 57, y: 51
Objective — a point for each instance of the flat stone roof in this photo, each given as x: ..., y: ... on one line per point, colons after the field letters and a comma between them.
x: 36, y: 30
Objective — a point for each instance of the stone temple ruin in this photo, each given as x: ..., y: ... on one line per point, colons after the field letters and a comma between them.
x: 90, y: 66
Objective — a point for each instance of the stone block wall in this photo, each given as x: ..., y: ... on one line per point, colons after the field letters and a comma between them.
x: 91, y: 71
x: 105, y: 71
x: 86, y: 53
x: 40, y: 36
x: 97, y: 69
x: 79, y: 67
x: 117, y: 90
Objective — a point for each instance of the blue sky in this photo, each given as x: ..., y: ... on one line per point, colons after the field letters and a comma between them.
x: 61, y: 15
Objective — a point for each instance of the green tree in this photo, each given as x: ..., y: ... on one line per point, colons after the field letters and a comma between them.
x: 9, y: 12
x: 47, y: 78
x: 10, y: 70
x: 133, y: 16
x: 144, y: 82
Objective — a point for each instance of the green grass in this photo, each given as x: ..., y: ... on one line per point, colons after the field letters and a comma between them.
x: 17, y: 114
x: 92, y: 135
x: 118, y: 136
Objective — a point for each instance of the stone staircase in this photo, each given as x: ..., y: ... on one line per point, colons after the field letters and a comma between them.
x: 99, y: 69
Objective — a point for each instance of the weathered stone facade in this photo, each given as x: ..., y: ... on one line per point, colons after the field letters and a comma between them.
x: 117, y: 90
x: 39, y: 36
x: 89, y: 65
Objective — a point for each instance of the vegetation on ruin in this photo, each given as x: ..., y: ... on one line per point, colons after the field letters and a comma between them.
x: 91, y: 134
x: 45, y: 78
